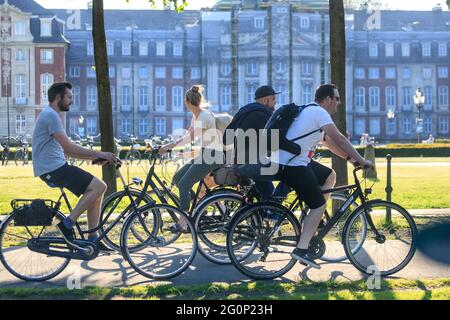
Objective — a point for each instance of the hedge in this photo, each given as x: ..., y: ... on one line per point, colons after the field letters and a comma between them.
x: 404, y: 150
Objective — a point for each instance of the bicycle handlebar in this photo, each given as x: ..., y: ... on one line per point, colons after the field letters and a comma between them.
x: 117, y: 162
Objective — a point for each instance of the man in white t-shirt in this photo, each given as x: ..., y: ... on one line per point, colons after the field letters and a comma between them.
x: 304, y: 175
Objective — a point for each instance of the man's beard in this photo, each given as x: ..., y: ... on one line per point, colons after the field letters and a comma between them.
x: 63, y: 107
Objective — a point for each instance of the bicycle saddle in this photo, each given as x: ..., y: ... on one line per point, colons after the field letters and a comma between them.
x: 138, y: 181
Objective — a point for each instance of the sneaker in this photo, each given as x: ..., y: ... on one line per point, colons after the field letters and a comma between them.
x: 302, y: 256
x: 66, y: 232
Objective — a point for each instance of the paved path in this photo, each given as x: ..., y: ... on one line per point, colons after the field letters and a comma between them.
x: 107, y: 271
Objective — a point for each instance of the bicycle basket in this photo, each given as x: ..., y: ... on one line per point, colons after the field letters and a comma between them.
x: 226, y: 176
x: 33, y: 212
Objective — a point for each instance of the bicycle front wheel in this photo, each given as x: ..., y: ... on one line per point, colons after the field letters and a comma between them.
x: 21, y: 261
x: 260, y: 240
x: 390, y: 240
x: 156, y: 257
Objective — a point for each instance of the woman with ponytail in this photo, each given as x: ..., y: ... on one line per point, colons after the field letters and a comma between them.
x: 203, y: 126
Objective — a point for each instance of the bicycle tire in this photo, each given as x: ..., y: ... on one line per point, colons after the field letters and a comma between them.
x: 365, y: 260
x: 5, y: 250
x: 163, y: 253
x: 247, y: 213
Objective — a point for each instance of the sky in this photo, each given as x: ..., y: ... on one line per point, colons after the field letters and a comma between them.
x: 197, y: 4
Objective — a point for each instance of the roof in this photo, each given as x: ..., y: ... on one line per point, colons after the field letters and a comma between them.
x: 29, y: 6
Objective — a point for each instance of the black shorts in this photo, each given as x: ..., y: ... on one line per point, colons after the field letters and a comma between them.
x: 306, y: 181
x: 72, y: 178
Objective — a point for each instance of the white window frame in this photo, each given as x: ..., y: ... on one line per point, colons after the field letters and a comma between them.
x: 374, y: 98
x: 252, y: 69
x: 177, y: 72
x: 225, y: 97
x: 21, y: 123
x: 407, y: 125
x: 160, y: 72
x: 74, y: 71
x: 225, y: 69
x: 443, y: 72
x: 391, y: 127
x: 374, y: 73
x: 442, y: 49
x: 46, y: 27
x: 143, y: 72
x: 20, y: 28
x: 443, y: 97
x: 46, y: 80
x: 160, y: 126
x: 177, y: 49
x: 143, y: 48
x: 250, y: 92
x: 126, y: 48
x: 47, y: 56
x: 160, y: 48
x: 91, y: 98
x: 20, y: 55
x: 406, y: 98
x: 360, y: 73
x: 91, y: 126
x: 282, y: 96
x: 360, y: 96
x: 195, y: 73
x: 160, y: 98
x: 360, y: 126
x: 428, y: 93
x: 389, y: 49
x: 110, y: 47
x: 20, y: 83
x: 177, y: 126
x: 125, y: 126
x: 427, y: 72
x: 373, y: 49
x: 391, y: 97
x: 406, y: 49
x: 388, y: 74
x: 307, y: 69
x: 125, y: 98
x: 177, y: 98
x: 143, y: 95
x: 144, y: 126
x: 443, y: 124
x: 76, y: 96
x: 306, y: 93
x: 426, y: 49
x: 406, y: 73
x: 428, y: 125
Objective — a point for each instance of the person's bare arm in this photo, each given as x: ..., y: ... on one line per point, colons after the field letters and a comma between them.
x: 333, y: 147
x: 339, y: 140
x: 78, y: 152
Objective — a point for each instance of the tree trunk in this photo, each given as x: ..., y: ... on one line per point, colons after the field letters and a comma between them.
x: 104, y: 92
x: 337, y: 52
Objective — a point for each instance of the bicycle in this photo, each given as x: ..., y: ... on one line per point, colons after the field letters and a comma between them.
x: 212, y: 218
x: 5, y: 153
x: 261, y: 248
x: 24, y: 234
x: 133, y: 154
x: 23, y: 152
x: 153, y: 187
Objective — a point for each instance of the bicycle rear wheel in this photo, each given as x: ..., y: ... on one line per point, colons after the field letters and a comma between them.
x: 112, y: 207
x: 21, y: 261
x: 391, y: 249
x: 156, y: 258
x: 211, y: 220
x: 260, y: 246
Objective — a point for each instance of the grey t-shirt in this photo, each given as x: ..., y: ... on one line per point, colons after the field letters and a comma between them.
x: 48, y: 154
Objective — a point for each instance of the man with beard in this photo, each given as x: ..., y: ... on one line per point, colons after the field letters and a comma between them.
x: 50, y: 144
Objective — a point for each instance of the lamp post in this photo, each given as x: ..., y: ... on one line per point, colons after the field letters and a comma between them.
x: 5, y: 53
x: 132, y: 27
x: 419, y: 100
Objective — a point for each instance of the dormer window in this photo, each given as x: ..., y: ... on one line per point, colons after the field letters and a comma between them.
x: 46, y: 28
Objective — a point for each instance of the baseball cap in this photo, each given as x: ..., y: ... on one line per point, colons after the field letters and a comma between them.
x: 264, y: 91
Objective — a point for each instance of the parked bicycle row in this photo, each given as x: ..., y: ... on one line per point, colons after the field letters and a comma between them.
x: 262, y: 217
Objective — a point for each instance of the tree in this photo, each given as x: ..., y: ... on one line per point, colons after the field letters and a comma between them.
x: 337, y: 52
x: 103, y: 85
x: 448, y: 4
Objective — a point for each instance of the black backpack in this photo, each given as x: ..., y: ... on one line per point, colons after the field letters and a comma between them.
x: 281, y: 120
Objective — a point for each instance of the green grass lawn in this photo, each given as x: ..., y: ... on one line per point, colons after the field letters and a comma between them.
x: 398, y: 289
x: 415, y: 184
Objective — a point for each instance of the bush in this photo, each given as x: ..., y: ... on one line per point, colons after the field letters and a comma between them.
x: 404, y: 150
